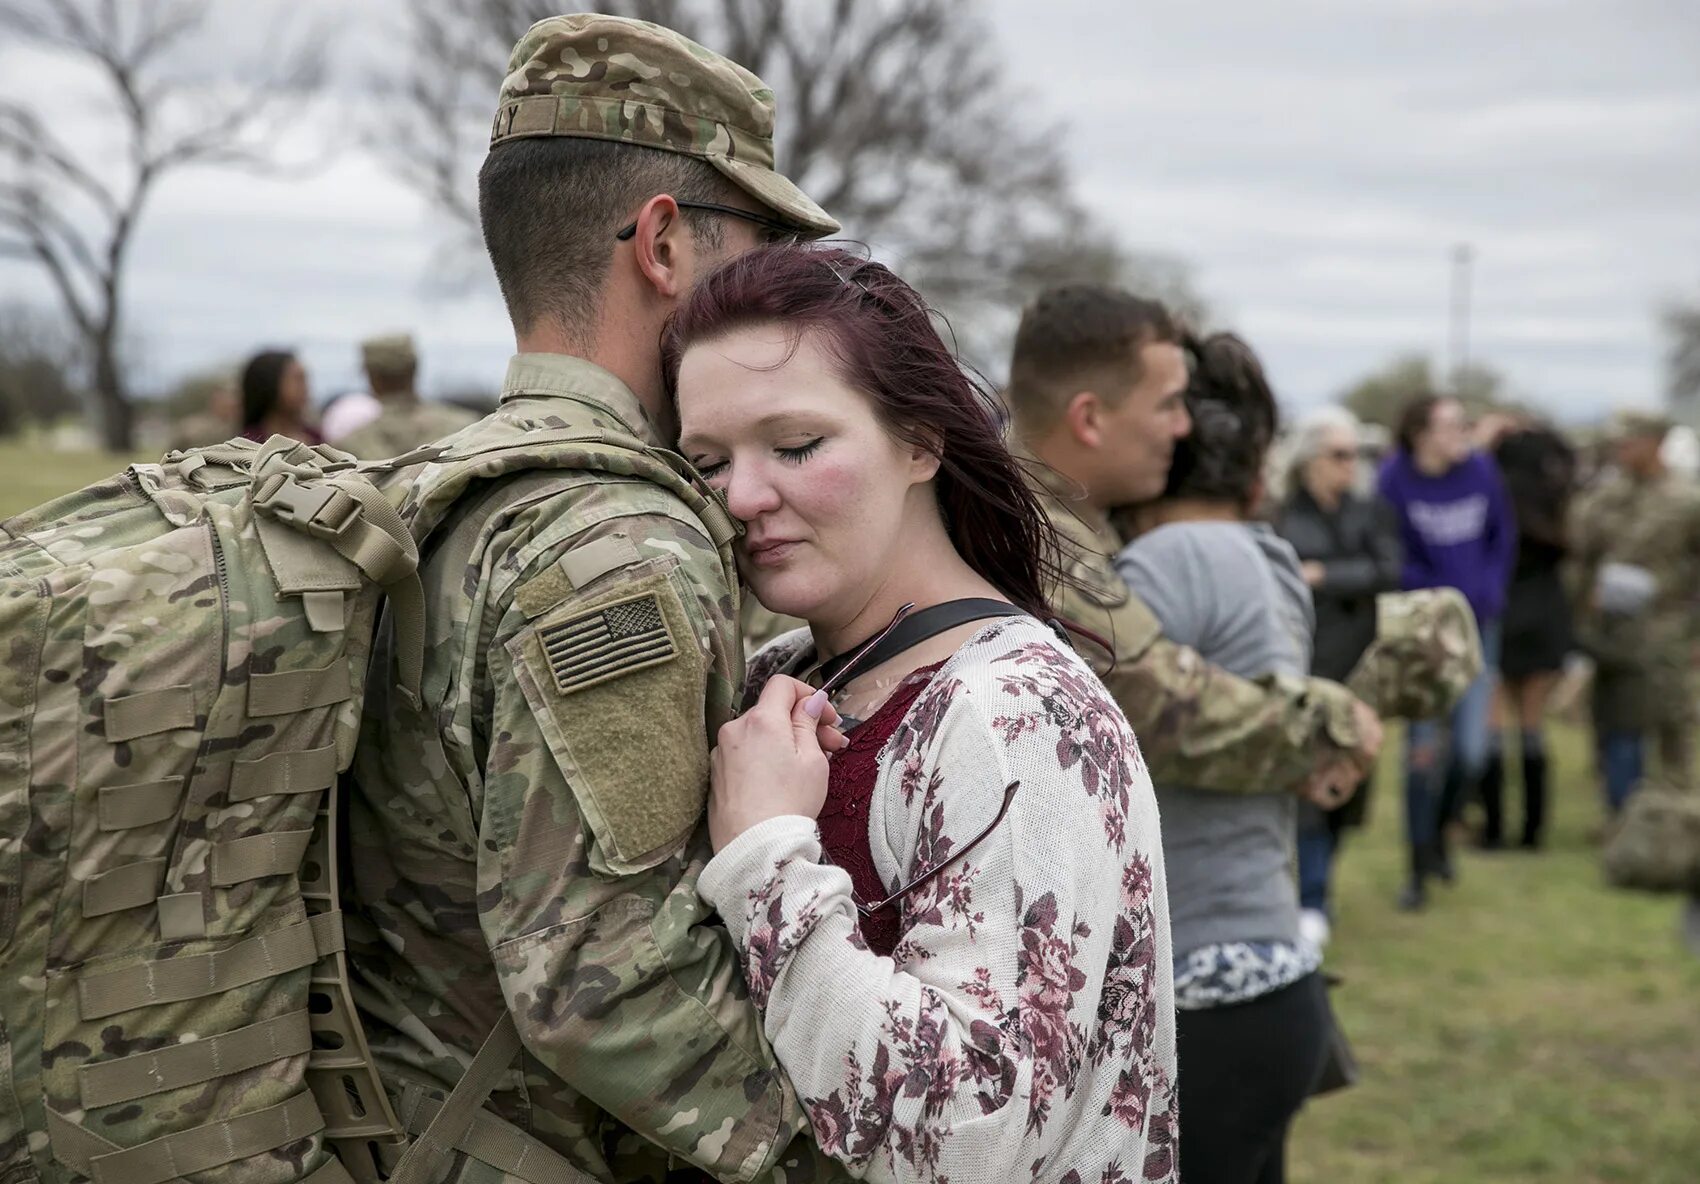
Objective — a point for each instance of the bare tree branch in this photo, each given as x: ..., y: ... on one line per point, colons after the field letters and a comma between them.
x: 23, y: 134
x: 76, y: 218
x: 899, y: 116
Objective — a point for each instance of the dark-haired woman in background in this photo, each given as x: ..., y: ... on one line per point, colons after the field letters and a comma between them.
x: 1253, y: 1021
x: 1348, y: 546
x: 275, y: 401
x: 1539, y: 469
x: 956, y: 931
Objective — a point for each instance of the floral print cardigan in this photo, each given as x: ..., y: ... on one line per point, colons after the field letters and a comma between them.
x: 1024, y: 1027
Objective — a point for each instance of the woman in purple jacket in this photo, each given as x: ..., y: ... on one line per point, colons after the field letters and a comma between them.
x: 1459, y: 531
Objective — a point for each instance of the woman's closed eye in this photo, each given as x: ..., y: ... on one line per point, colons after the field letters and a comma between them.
x: 794, y: 454
x: 799, y: 453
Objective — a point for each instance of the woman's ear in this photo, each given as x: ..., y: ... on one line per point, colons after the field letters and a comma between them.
x: 924, y: 461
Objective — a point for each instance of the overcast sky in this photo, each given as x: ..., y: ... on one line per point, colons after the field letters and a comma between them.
x: 1314, y: 160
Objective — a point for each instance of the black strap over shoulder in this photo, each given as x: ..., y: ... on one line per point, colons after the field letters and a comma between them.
x: 918, y: 627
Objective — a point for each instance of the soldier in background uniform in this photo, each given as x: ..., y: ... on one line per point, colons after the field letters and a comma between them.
x: 1636, y: 587
x: 1095, y: 389
x: 404, y: 421
x: 529, y: 843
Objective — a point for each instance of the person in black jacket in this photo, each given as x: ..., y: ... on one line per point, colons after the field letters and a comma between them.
x: 1349, y: 545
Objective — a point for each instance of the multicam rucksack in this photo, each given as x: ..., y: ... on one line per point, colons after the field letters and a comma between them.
x: 1655, y: 844
x: 185, y: 655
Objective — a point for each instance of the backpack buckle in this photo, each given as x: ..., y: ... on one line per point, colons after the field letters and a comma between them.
x: 321, y: 510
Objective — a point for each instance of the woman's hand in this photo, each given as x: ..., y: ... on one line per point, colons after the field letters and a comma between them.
x: 770, y: 761
x: 1314, y: 573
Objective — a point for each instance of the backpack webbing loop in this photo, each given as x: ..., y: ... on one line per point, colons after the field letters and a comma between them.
x: 173, y: 1156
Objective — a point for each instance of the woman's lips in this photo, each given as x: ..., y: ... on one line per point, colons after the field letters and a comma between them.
x: 768, y: 554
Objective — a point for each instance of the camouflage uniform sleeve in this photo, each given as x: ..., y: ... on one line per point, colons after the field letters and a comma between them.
x: 1197, y: 724
x: 602, y: 697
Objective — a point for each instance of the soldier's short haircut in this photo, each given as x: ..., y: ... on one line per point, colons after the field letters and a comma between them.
x: 550, y: 208
x: 1081, y: 337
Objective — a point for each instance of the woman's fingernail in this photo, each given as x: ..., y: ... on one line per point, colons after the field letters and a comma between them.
x: 815, y: 704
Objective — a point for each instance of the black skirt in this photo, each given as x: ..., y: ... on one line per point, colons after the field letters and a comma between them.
x: 1537, y: 626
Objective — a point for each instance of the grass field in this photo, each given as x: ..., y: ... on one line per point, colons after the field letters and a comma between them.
x: 1530, y: 1026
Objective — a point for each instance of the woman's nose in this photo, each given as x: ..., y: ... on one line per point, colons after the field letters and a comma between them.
x: 748, y: 493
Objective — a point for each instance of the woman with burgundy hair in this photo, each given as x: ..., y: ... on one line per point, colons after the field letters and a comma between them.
x: 956, y: 927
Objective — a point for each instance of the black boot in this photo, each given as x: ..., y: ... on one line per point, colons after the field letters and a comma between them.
x: 1414, y: 895
x: 1534, y: 797
x: 1493, y: 801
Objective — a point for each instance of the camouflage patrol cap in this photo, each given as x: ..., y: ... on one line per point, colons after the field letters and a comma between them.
x: 1631, y: 424
x: 611, y: 78
x: 392, y: 353
x: 1426, y: 653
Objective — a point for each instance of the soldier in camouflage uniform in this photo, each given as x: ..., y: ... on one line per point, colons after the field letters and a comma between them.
x: 1196, y: 723
x: 404, y: 420
x: 527, y: 836
x: 1636, y: 585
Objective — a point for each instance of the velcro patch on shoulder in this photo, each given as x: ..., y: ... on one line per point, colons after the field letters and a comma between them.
x: 608, y: 642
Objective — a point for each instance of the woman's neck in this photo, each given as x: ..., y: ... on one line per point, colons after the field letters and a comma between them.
x: 1325, y: 497
x: 277, y: 424
x: 924, y: 583
x: 1431, y: 464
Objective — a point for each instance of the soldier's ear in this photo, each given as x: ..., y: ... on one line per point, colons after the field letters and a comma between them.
x: 659, y: 247
x: 1083, y: 415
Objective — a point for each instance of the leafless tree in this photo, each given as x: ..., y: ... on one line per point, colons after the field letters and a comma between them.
x: 76, y: 215
x: 899, y: 116
x: 1682, y: 357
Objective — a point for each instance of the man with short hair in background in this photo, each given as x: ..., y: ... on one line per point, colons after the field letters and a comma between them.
x: 1096, y: 393
x: 404, y: 420
x: 528, y: 842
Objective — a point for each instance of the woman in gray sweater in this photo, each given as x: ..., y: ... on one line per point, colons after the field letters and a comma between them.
x: 1253, y: 1024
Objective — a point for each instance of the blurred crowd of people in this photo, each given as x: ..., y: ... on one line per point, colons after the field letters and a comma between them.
x: 1580, y: 563
x: 271, y: 397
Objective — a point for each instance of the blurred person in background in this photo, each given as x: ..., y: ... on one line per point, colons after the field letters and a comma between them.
x: 217, y: 422
x: 1538, y: 467
x: 404, y: 420
x: 275, y: 401
x: 1348, y: 547
x: 1634, y: 580
x: 1456, y: 530
x: 1253, y: 1018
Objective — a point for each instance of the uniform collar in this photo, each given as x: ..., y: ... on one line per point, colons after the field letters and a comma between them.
x: 1078, y: 518
x: 561, y: 376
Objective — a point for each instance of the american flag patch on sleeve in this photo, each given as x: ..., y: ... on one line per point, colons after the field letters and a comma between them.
x: 613, y: 640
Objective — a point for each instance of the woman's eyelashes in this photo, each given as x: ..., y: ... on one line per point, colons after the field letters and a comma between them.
x: 801, y: 452
x: 794, y: 455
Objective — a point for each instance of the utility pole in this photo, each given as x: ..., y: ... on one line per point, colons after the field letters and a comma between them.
x: 1463, y: 256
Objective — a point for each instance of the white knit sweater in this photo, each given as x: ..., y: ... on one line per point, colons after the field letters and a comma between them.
x: 1024, y: 1028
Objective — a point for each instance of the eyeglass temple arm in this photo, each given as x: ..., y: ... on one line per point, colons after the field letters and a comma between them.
x: 919, y: 881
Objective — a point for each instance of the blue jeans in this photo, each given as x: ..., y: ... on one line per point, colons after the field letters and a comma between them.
x: 1623, y: 760
x: 1426, y: 758
x: 1316, y: 859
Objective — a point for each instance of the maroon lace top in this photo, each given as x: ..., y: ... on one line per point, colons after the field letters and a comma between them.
x: 844, y: 818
